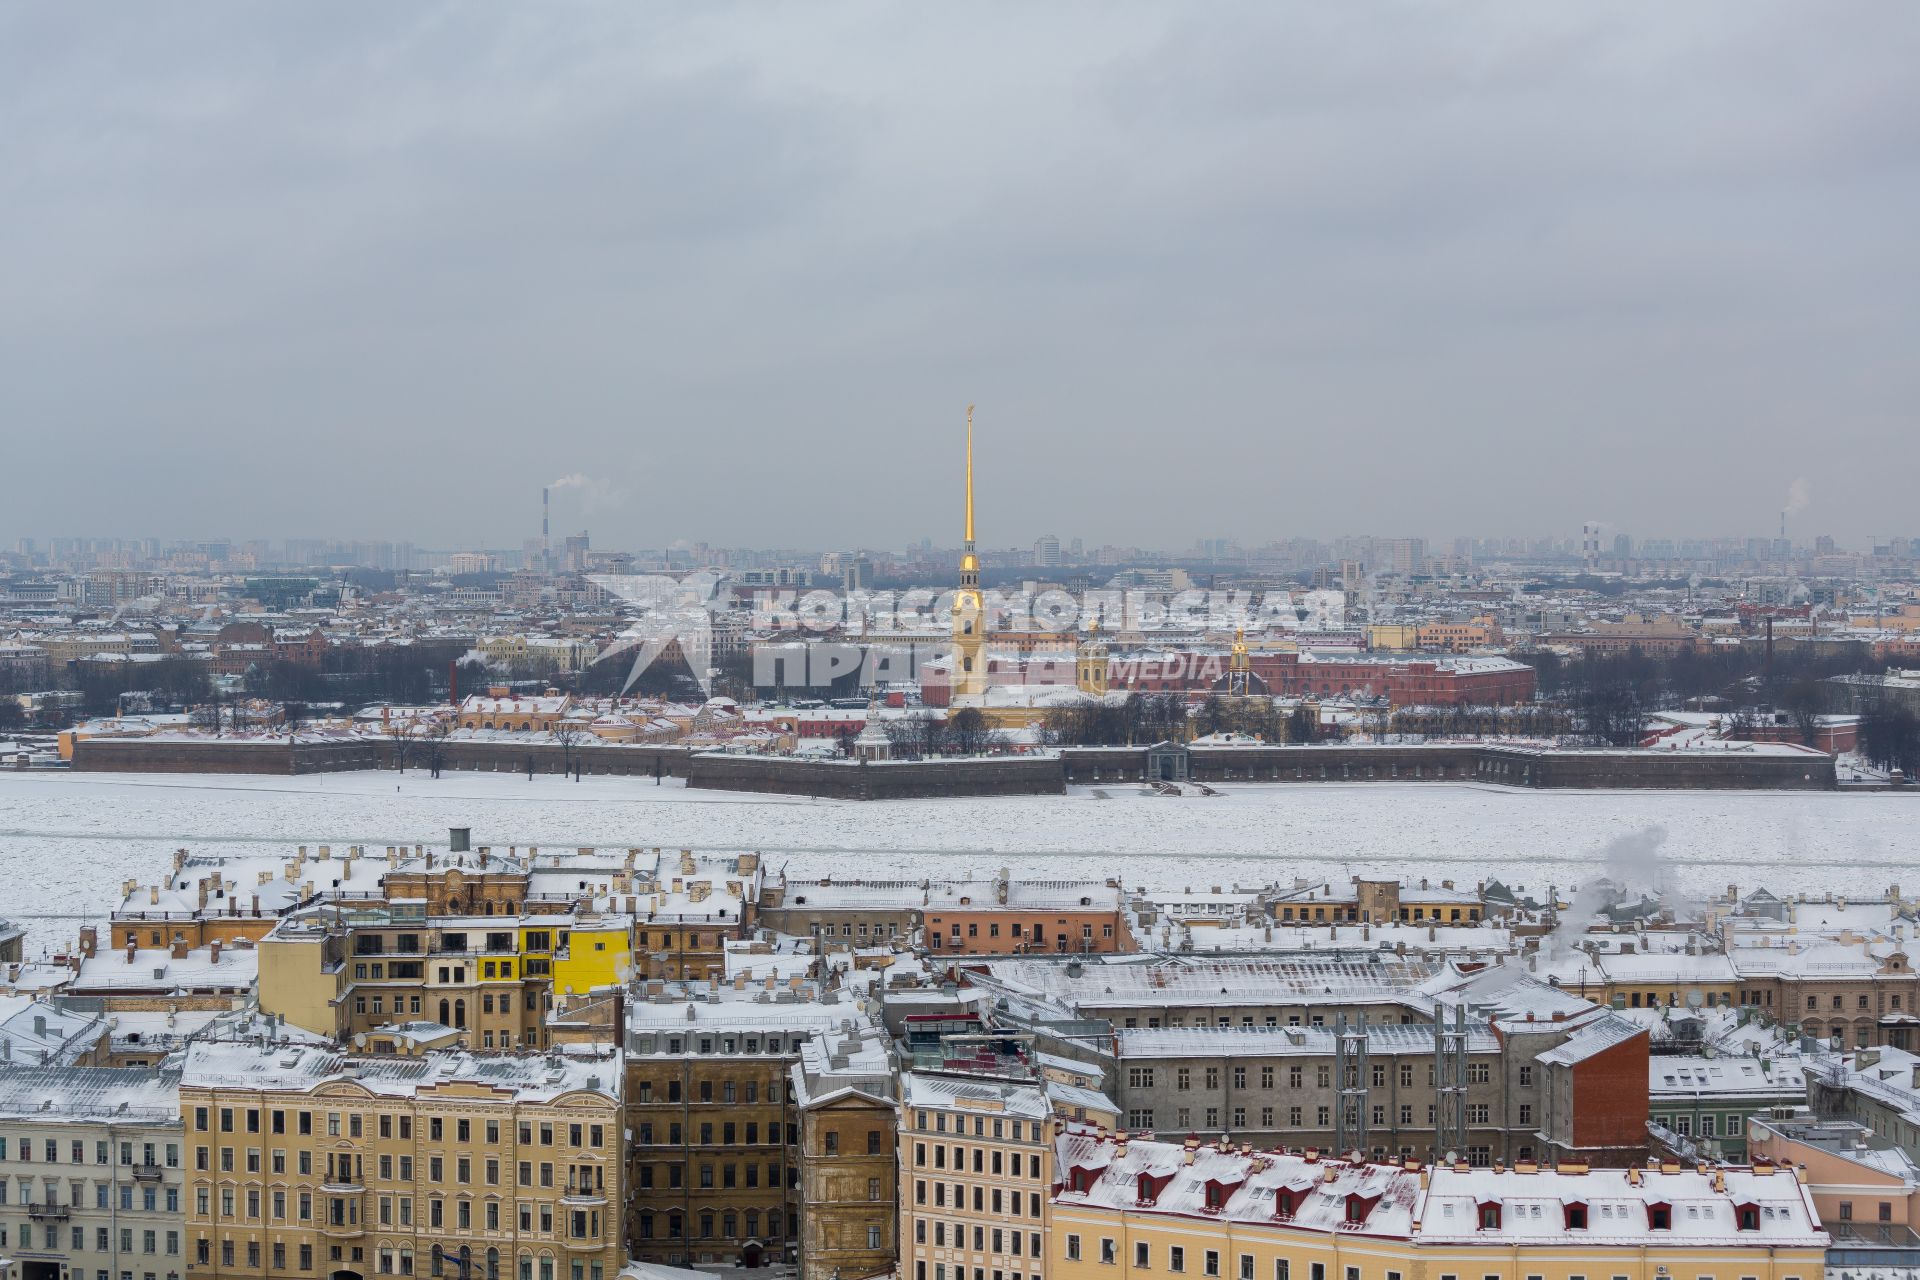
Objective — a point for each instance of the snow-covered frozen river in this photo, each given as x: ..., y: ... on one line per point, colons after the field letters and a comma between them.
x: 67, y: 840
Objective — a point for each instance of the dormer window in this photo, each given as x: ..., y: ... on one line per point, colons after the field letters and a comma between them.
x: 1748, y: 1216
x: 1660, y: 1217
x: 1358, y: 1207
x: 1489, y: 1215
x: 1079, y: 1179
x: 1150, y: 1188
x: 1216, y: 1196
x: 1576, y: 1216
x: 1285, y: 1202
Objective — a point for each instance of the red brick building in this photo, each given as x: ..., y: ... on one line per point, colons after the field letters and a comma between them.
x: 1403, y: 680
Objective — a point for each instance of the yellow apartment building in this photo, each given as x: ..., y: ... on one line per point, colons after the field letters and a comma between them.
x: 976, y: 1165
x: 307, y: 1162
x: 341, y: 971
x: 1145, y: 1210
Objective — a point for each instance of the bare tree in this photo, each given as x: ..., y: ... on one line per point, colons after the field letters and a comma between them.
x: 1890, y: 737
x: 1802, y: 703
x: 904, y: 738
x: 572, y: 737
x: 969, y: 730
x: 400, y: 745
x: 208, y: 715
x: 434, y: 739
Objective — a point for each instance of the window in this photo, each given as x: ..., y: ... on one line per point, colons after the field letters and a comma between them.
x: 1073, y: 1246
x: 1142, y: 1255
x: 1176, y: 1258
x: 1246, y: 1266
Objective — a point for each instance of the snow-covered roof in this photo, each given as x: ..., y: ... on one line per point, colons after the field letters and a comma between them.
x: 1023, y: 895
x: 1304, y: 1041
x: 1202, y: 983
x: 939, y: 1090
x: 1703, y: 1207
x: 1594, y: 1038
x: 1651, y: 1208
x: 46, y: 1031
x: 1156, y: 1179
x: 82, y: 1095
x: 156, y: 969
x: 303, y: 1068
x: 1724, y: 1077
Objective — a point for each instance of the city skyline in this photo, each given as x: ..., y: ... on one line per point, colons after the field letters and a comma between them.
x: 1047, y: 551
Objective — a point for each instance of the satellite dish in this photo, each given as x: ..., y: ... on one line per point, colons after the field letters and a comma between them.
x: 1694, y: 998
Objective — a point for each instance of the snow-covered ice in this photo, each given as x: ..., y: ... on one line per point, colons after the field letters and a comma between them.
x: 68, y: 840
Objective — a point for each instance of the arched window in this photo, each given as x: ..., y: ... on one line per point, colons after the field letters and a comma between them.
x: 459, y: 1013
x: 493, y: 1264
x: 445, y: 1019
x: 439, y: 1261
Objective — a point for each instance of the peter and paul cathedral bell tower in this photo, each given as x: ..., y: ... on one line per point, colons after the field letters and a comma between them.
x: 969, y: 612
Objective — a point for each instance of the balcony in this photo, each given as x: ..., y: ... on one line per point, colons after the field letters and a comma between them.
x: 49, y: 1212
x: 147, y: 1173
x: 583, y: 1197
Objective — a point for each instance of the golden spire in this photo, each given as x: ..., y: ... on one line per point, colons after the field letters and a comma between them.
x: 969, y: 476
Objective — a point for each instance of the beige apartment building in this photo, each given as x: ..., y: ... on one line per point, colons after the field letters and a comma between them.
x: 843, y: 1089
x: 976, y: 1168
x: 92, y: 1158
x: 304, y: 1162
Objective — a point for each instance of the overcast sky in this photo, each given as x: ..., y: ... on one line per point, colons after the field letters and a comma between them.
x: 1254, y: 271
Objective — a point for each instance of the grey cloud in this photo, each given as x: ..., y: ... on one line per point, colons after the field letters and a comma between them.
x: 382, y: 269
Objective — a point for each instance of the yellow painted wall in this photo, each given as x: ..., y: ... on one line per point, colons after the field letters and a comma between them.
x: 593, y: 958
x: 1376, y: 1258
x: 294, y: 985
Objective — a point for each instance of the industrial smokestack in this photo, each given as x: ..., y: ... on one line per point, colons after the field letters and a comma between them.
x: 1783, y: 526
x: 546, y: 547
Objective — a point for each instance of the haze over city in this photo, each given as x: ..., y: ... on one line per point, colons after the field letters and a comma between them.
x: 1249, y: 271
